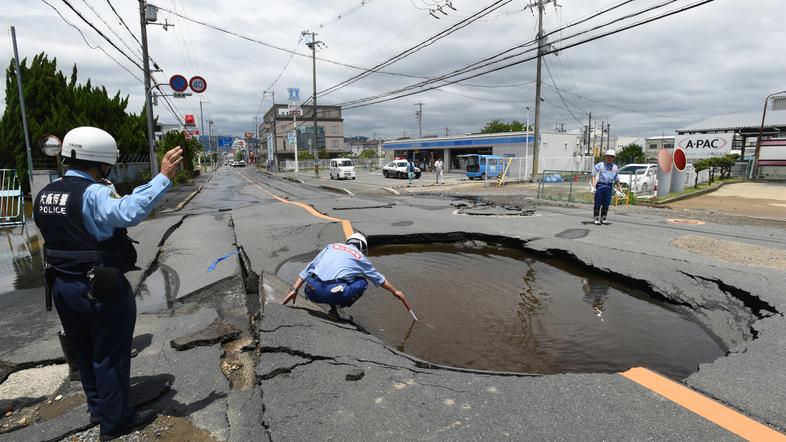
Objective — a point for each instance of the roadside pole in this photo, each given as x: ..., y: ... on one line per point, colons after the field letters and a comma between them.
x: 536, y: 148
x: 294, y: 129
x: 24, y: 113
x: 148, y: 105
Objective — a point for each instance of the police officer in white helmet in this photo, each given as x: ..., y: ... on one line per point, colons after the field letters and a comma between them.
x: 338, y: 276
x: 87, y: 252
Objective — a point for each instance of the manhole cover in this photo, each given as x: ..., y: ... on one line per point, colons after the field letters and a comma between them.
x: 684, y: 221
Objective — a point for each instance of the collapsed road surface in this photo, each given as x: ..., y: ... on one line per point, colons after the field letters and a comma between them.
x: 221, y: 359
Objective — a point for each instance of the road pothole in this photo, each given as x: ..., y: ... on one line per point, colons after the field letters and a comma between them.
x: 494, y: 307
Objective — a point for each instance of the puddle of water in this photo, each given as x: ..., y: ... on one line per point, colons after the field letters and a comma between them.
x: 20, y: 259
x: 497, y: 308
x: 159, y: 290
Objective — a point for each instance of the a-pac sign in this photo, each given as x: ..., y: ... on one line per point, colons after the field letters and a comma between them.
x: 698, y: 146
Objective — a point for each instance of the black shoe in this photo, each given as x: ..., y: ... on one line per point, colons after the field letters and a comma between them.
x: 139, y: 421
x: 94, y: 420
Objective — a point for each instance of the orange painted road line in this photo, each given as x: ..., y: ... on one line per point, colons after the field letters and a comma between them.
x: 346, y: 226
x: 709, y: 409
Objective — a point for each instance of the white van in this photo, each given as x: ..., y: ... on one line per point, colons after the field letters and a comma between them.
x: 341, y: 168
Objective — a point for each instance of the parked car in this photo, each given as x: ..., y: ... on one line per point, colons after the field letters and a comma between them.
x: 398, y: 169
x: 240, y: 163
x: 640, y: 178
x: 341, y: 168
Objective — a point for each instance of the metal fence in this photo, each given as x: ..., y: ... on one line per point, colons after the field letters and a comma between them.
x: 12, y: 201
x: 575, y: 186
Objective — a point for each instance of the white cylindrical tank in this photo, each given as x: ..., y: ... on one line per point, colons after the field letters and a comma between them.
x: 665, y: 162
x: 680, y: 161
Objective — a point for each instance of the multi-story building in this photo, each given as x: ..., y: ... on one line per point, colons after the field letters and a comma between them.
x: 277, y: 125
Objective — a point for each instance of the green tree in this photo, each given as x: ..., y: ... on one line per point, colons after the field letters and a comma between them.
x: 191, y: 149
x: 632, y: 153
x: 55, y: 104
x: 495, y: 126
x: 699, y: 166
x: 368, y: 153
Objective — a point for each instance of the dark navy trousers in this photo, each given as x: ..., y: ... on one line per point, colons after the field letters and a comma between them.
x: 603, y: 194
x: 337, y: 292
x: 102, y: 333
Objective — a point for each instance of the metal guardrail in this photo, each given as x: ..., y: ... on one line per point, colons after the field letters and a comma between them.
x: 12, y: 201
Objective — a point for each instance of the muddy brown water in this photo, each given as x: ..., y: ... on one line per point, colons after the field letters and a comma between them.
x: 498, y: 308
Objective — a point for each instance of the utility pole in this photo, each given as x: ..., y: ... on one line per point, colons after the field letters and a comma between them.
x: 602, y: 126
x: 608, y: 136
x: 536, y: 146
x: 446, y: 131
x: 148, y: 105
x: 24, y: 113
x: 419, y: 117
x: 313, y: 46
x: 589, y: 132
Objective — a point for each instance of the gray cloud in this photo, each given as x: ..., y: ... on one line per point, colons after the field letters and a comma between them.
x: 712, y: 60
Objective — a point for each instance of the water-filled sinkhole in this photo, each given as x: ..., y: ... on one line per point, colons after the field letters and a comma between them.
x: 499, y: 308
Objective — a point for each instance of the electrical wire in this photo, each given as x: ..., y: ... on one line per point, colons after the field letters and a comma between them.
x: 109, y: 2
x: 416, y: 48
x: 279, y: 48
x: 112, y: 30
x: 567, y: 108
x: 340, y: 16
x: 92, y: 46
x: 544, y: 51
x: 101, y: 33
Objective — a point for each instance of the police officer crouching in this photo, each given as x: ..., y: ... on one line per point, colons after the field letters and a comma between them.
x: 337, y: 276
x: 87, y: 252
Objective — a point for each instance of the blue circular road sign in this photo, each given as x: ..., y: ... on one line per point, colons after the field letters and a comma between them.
x: 178, y: 83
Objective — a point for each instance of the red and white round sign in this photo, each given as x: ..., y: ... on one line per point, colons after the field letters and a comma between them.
x: 198, y: 84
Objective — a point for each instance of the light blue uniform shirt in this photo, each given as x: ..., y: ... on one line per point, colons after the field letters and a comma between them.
x: 103, y: 211
x: 607, y: 174
x: 342, y: 261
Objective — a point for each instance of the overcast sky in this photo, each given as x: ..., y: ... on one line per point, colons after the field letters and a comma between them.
x: 715, y: 59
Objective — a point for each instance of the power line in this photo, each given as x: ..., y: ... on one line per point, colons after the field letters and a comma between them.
x: 279, y: 48
x: 102, y: 34
x: 341, y: 15
x: 567, y: 108
x: 123, y: 22
x: 548, y: 50
x: 90, y: 45
x: 112, y: 30
x: 413, y: 49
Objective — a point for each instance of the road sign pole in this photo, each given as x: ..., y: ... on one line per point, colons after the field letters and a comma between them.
x: 24, y: 112
x: 294, y: 128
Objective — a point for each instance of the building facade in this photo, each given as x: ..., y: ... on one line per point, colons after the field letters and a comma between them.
x: 558, y: 150
x: 277, y: 124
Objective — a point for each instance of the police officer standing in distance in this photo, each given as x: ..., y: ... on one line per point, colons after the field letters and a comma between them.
x: 604, y: 175
x: 87, y: 252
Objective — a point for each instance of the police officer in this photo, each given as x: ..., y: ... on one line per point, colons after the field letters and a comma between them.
x: 337, y: 276
x: 87, y: 251
x: 604, y: 175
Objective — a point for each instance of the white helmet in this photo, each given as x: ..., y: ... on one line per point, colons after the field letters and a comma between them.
x: 359, y: 241
x: 611, y: 152
x: 89, y: 144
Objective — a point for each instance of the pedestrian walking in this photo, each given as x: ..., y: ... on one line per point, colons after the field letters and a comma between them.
x: 410, y: 172
x: 87, y: 252
x: 438, y: 170
x: 339, y: 276
x: 604, y: 176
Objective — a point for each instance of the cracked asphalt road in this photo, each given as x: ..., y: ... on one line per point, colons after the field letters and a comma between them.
x: 284, y: 373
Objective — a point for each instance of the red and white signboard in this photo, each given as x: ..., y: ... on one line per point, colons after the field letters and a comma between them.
x: 198, y: 84
x: 697, y: 146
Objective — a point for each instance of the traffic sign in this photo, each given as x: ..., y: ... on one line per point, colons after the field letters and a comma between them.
x: 294, y: 94
x: 291, y: 138
x: 178, y: 83
x: 198, y: 84
x: 181, y: 94
x: 225, y: 142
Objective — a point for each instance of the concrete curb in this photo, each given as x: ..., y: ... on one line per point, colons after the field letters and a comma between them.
x: 294, y: 180
x: 189, y: 197
x: 391, y: 190
x: 334, y: 189
x: 694, y: 194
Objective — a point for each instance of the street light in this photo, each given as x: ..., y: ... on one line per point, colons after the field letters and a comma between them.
x: 755, y: 164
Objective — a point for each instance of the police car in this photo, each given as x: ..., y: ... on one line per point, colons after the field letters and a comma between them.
x: 398, y: 169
